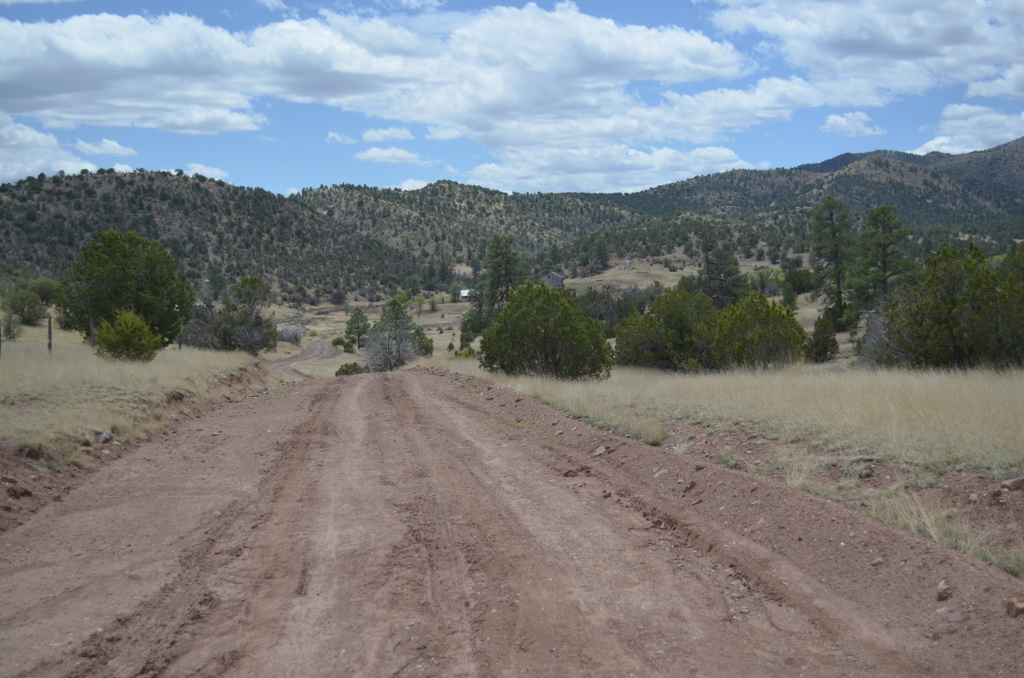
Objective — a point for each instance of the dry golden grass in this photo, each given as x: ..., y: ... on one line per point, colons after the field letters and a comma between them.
x: 49, y: 397
x: 971, y: 418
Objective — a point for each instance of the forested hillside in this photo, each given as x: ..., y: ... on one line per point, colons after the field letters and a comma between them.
x: 368, y: 241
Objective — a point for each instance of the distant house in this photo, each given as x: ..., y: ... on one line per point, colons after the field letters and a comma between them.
x: 464, y: 295
x: 554, y: 280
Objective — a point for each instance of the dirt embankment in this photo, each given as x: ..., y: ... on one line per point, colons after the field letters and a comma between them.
x: 426, y: 524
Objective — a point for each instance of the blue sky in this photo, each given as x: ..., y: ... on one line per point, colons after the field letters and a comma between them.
x: 548, y: 96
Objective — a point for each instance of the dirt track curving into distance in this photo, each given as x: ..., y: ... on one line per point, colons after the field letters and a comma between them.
x: 426, y: 524
x: 315, y: 351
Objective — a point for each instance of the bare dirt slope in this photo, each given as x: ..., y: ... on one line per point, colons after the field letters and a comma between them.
x: 422, y: 524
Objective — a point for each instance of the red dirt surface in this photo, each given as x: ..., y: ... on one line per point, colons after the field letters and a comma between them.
x: 426, y: 524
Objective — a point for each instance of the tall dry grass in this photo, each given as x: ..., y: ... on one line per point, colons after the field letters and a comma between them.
x: 46, y: 397
x: 973, y: 418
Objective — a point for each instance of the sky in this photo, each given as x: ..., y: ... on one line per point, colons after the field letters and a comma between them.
x: 546, y: 96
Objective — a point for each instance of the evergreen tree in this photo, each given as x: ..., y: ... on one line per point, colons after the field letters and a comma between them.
x: 962, y: 313
x: 677, y: 334
x: 357, y: 327
x: 392, y: 340
x: 831, y: 254
x: 238, y: 322
x: 125, y: 271
x: 505, y: 271
x: 720, y: 278
x: 544, y: 331
x: 127, y: 338
x: 881, y: 261
x: 822, y: 345
x: 758, y: 333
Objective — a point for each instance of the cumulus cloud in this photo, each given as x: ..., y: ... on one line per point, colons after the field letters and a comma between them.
x: 850, y: 125
x: 388, y: 134
x: 614, y: 167
x: 412, y: 184
x: 517, y: 80
x: 904, y: 47
x: 966, y: 128
x: 392, y: 155
x: 338, y: 138
x: 25, y: 151
x: 105, y: 147
x: 194, y: 168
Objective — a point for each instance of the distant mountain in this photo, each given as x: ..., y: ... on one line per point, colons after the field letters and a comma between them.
x: 367, y: 240
x: 935, y: 190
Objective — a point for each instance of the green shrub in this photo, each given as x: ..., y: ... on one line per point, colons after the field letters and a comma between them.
x: 337, y: 341
x: 758, y: 333
x: 544, y: 331
x: 822, y: 345
x: 127, y: 338
x: 27, y: 305
x: 10, y: 325
x: 349, y: 368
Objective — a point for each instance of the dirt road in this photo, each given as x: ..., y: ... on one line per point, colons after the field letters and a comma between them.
x: 421, y: 524
x: 315, y: 351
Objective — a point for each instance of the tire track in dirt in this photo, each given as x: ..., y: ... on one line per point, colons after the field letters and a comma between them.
x: 415, y: 524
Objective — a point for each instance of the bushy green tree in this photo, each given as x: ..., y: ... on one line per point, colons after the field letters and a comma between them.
x: 25, y: 304
x: 961, y: 313
x: 677, y: 334
x: 357, y: 327
x: 881, y: 261
x: 125, y: 271
x: 392, y: 341
x: 822, y: 345
x: 758, y: 333
x: 544, y: 331
x: 238, y: 323
x: 44, y: 287
x: 127, y: 338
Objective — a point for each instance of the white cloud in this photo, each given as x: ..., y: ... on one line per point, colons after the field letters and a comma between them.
x: 25, y: 151
x: 904, y: 47
x: 518, y: 80
x: 413, y: 4
x: 388, y: 134
x: 850, y: 125
x: 611, y: 168
x: 965, y: 128
x: 412, y: 184
x: 440, y: 133
x: 105, y: 147
x: 194, y: 168
x: 392, y: 155
x: 274, y: 5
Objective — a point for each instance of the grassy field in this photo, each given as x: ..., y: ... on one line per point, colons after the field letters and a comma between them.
x: 952, y: 418
x: 57, y: 398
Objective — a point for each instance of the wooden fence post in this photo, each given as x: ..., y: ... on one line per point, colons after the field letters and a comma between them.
x: 49, y: 333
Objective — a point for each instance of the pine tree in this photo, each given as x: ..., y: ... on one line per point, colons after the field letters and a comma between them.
x: 881, y: 261
x: 831, y: 254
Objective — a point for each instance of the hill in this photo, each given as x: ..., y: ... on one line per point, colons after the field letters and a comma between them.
x: 367, y: 241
